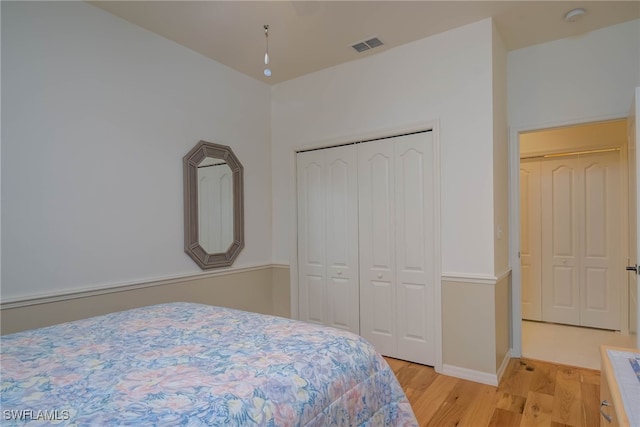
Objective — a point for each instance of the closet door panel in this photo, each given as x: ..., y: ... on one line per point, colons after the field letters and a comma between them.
x: 560, y: 233
x: 314, y: 299
x: 377, y: 249
x: 601, y: 268
x: 382, y: 320
x: 414, y: 193
x: 530, y: 234
x: 341, y: 183
x: 311, y: 237
x: 379, y: 210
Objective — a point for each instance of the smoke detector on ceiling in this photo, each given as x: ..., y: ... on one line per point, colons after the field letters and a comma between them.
x: 367, y: 44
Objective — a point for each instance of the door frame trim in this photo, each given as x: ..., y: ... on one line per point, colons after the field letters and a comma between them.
x: 514, y: 216
x: 425, y: 125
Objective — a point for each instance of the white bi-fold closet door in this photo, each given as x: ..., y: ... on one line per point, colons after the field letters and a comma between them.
x: 571, y: 240
x: 365, y: 242
x: 396, y: 193
x: 328, y: 237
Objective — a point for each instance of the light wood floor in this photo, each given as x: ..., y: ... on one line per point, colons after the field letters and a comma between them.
x: 531, y: 393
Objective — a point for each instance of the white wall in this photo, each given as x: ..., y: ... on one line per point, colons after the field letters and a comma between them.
x: 97, y: 114
x: 446, y: 77
x: 575, y: 79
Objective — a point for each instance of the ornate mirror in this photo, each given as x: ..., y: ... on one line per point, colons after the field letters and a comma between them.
x: 213, y: 205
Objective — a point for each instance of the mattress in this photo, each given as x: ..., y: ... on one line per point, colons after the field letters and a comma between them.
x: 193, y: 364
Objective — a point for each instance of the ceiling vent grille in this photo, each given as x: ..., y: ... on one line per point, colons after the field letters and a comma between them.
x: 367, y: 44
x: 374, y: 42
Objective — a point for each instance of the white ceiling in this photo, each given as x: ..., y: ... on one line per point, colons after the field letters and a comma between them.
x: 306, y: 36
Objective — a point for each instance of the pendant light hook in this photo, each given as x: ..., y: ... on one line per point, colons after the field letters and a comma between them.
x: 267, y: 71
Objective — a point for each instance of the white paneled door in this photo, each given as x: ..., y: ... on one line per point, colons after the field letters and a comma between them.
x: 328, y: 237
x: 379, y: 304
x: 580, y: 223
x: 601, y: 268
x: 560, y: 240
x: 396, y: 193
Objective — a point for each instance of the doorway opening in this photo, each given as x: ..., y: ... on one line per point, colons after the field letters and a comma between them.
x: 574, y: 219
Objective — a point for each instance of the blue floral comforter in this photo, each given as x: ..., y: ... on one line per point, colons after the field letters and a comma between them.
x: 192, y: 364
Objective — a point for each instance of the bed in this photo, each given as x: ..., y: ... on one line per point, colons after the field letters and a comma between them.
x: 193, y: 364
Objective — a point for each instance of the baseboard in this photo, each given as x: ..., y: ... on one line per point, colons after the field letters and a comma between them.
x: 503, y: 365
x: 470, y: 375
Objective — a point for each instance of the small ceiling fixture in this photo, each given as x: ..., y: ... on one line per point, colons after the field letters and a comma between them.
x: 267, y: 70
x: 574, y: 14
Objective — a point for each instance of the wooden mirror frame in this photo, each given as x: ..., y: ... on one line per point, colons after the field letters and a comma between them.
x: 192, y: 245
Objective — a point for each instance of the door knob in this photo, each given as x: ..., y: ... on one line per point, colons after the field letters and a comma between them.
x: 633, y: 268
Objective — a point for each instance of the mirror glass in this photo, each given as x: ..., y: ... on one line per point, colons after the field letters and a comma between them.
x: 213, y: 205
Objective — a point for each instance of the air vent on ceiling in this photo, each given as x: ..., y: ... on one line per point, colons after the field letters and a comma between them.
x: 367, y: 44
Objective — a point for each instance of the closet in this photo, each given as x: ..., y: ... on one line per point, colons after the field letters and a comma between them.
x: 365, y: 242
x: 571, y: 239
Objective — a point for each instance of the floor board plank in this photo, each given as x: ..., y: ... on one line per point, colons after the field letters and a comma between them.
x: 538, y: 410
x: 502, y: 418
x: 567, y: 402
x: 544, y: 377
x: 510, y: 402
x: 426, y: 405
x: 591, y: 403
